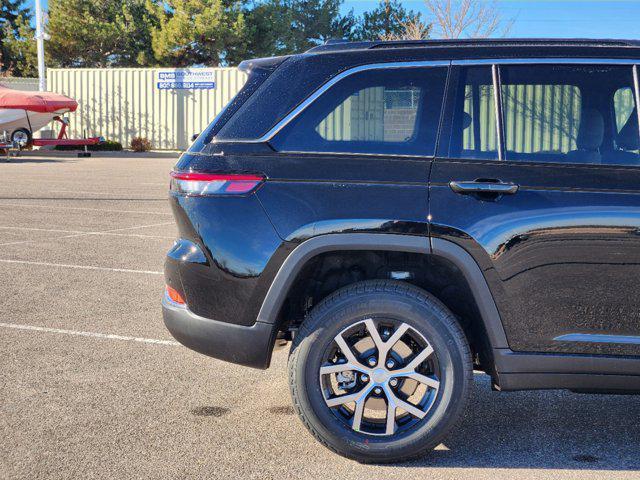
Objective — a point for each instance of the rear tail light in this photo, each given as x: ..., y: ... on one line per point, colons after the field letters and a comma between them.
x: 214, y: 184
x: 174, y: 295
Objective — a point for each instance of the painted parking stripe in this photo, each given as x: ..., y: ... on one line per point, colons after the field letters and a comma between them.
x: 137, y: 227
x: 81, y: 267
x: 107, y: 336
x: 17, y: 242
x: 80, y: 233
x: 58, y: 207
x: 108, y: 195
x: 75, y: 234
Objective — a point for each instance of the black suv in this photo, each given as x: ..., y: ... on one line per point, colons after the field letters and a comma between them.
x: 408, y: 212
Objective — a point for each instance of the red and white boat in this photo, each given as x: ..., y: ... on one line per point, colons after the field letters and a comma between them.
x: 24, y: 113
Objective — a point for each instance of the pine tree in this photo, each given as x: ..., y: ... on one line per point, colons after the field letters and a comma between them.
x: 199, y: 32
x: 13, y: 14
x: 281, y: 27
x: 101, y: 33
x: 389, y: 21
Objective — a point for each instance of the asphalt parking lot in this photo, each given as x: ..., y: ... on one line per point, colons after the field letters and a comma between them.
x: 92, y: 385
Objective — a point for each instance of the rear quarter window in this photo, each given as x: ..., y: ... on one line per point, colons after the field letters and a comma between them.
x: 379, y: 111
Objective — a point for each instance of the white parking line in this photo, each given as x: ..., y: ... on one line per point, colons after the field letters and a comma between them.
x: 88, y: 334
x: 57, y: 207
x: 81, y: 267
x: 80, y: 232
x: 93, y: 192
x: 18, y: 242
x: 118, y: 230
x: 33, y: 229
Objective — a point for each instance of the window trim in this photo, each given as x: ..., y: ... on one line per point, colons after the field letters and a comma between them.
x: 497, y: 103
x: 327, y: 85
x: 494, y: 63
x: 545, y: 61
x: 497, y: 86
x: 636, y: 85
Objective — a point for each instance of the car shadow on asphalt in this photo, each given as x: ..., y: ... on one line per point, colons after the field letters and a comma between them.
x: 542, y: 430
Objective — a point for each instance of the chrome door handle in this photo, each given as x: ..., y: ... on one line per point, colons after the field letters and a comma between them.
x: 498, y: 188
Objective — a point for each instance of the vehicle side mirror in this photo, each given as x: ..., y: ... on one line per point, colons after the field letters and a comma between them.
x: 194, y: 137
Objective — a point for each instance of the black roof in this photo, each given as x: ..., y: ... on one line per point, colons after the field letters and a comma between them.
x: 345, y: 45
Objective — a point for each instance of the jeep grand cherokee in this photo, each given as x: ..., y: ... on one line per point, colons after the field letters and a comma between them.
x: 407, y: 212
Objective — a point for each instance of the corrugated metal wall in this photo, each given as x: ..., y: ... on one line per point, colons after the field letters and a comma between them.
x: 120, y: 104
x: 366, y: 117
x: 541, y: 118
x: 25, y: 84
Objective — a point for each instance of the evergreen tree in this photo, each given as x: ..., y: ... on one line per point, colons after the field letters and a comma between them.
x: 13, y: 14
x: 281, y: 27
x: 199, y: 32
x: 122, y: 33
x: 101, y: 33
x: 20, y: 49
x: 388, y: 21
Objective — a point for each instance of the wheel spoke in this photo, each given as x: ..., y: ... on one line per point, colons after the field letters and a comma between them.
x: 382, y: 346
x: 374, y: 334
x: 341, y: 400
x: 341, y: 367
x: 348, y: 353
x: 407, y: 407
x: 357, y: 414
x: 391, y: 418
x: 352, y: 397
x: 421, y: 357
x: 428, y: 381
x: 393, y: 339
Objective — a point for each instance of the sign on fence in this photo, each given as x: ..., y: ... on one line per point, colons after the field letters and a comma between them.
x: 187, y: 79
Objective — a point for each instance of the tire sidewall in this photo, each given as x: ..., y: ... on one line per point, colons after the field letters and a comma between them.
x: 432, y: 320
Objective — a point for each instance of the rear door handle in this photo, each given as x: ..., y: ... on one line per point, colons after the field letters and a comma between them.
x: 497, y: 188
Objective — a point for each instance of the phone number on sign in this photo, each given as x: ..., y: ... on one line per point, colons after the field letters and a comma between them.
x: 185, y: 85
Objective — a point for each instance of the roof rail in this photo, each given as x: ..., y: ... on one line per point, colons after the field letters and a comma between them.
x: 338, y: 45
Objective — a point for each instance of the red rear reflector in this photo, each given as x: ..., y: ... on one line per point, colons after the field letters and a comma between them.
x: 175, y: 296
x: 189, y: 183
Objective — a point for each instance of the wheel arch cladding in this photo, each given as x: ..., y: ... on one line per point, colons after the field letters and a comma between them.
x: 309, y: 249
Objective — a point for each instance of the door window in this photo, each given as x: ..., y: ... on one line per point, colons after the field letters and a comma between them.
x: 569, y: 114
x: 386, y: 111
x: 541, y: 119
x: 475, y: 133
x: 626, y: 115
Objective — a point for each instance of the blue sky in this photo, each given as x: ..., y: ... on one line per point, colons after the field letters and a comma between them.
x: 551, y: 18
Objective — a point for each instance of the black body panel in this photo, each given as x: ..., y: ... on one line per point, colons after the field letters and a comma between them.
x: 232, y: 283
x: 557, y: 254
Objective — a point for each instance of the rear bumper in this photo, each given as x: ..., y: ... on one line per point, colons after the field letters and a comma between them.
x: 250, y: 346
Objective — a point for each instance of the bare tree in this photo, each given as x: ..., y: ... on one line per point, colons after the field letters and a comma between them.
x: 467, y: 18
x: 412, y: 29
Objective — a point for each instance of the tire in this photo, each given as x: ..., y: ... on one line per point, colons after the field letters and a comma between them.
x: 380, y: 302
x: 22, y: 133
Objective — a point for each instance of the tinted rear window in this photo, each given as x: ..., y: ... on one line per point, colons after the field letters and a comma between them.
x: 385, y: 111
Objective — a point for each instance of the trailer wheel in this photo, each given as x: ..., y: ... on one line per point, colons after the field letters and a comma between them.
x: 22, y: 137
